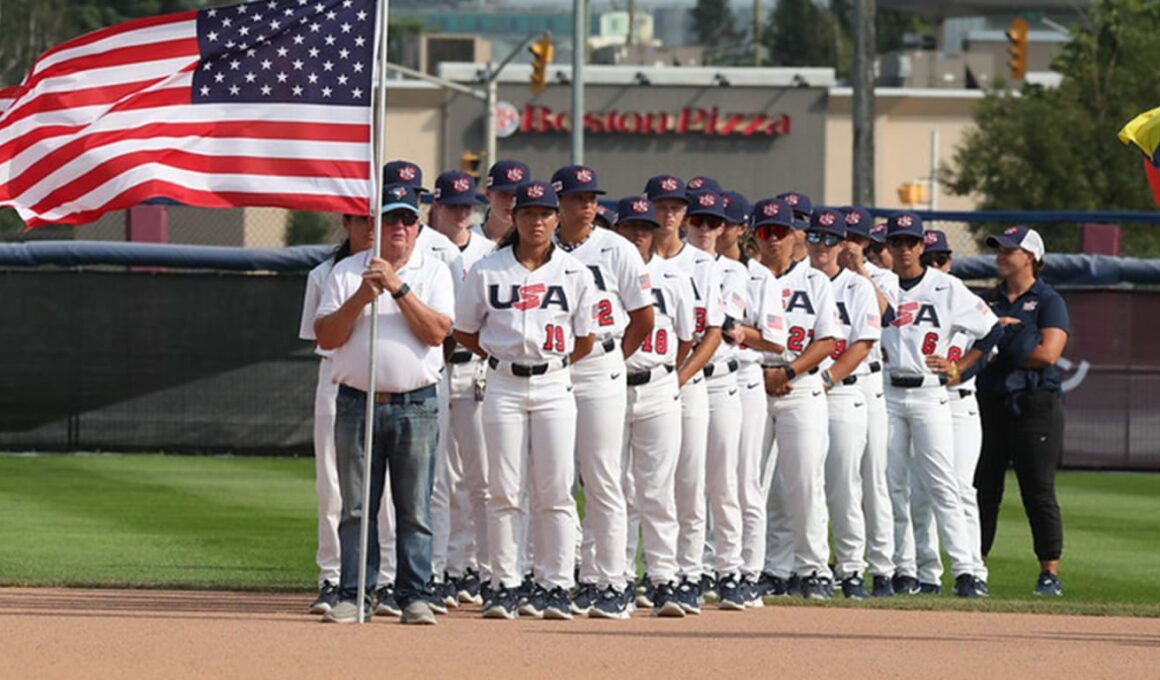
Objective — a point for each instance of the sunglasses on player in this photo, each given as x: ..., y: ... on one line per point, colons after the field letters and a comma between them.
x: 404, y: 217
x: 907, y: 242
x: 705, y: 221
x: 767, y: 231
x: 935, y: 259
x: 816, y: 237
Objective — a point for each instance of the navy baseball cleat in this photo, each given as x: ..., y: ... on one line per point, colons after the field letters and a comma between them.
x: 534, y: 603
x: 771, y: 585
x: 708, y: 585
x: 1048, y: 585
x: 965, y: 586
x: 854, y: 588
x: 327, y: 598
x: 929, y: 588
x: 905, y: 585
x: 469, y: 587
x: 814, y: 587
x: 557, y: 605
x: 666, y: 602
x: 385, y: 603
x: 793, y: 585
x: 730, y: 594
x: 981, y: 588
x: 753, y: 593
x: 504, y: 604
x: 882, y: 587
x: 584, y: 598
x: 610, y: 604
x: 689, y: 596
x: 644, y: 593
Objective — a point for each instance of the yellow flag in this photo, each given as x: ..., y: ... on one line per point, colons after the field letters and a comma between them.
x: 1144, y: 132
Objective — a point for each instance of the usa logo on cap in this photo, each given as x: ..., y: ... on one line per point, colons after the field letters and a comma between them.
x: 826, y: 219
x: 536, y: 191
x: 558, y: 185
x: 905, y: 221
x: 584, y: 175
x: 1011, y: 230
x: 725, y: 200
x: 407, y: 172
x: 696, y: 183
x: 640, y: 206
x: 852, y: 218
x: 792, y: 199
x: 461, y: 184
x: 929, y: 238
x: 771, y: 209
x: 707, y: 200
x: 669, y: 184
x: 515, y: 174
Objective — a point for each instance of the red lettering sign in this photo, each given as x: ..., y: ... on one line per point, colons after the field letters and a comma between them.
x: 690, y: 120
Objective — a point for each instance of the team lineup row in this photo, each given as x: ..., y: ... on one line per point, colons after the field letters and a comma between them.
x: 732, y: 384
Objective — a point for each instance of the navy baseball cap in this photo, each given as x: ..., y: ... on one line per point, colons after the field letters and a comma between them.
x: 935, y: 241
x: 801, y: 205
x: 575, y: 179
x: 706, y: 204
x: 703, y: 183
x: 904, y: 224
x: 636, y: 209
x: 878, y: 233
x: 737, y: 208
x: 455, y: 188
x: 400, y: 197
x: 507, y: 175
x: 536, y: 193
x: 1019, y: 237
x: 606, y: 212
x: 404, y: 172
x: 828, y: 221
x: 858, y: 221
x: 772, y: 212
x: 665, y: 186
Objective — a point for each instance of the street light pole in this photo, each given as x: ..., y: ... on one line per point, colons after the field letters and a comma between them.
x: 490, y: 103
x: 580, y: 13
x: 863, y: 111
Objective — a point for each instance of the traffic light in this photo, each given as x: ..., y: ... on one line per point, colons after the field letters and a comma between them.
x: 469, y: 163
x: 912, y: 193
x: 542, y: 51
x: 1017, y: 36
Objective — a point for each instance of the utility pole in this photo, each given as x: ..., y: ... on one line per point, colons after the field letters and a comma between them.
x: 757, y: 32
x: 579, y: 47
x: 862, y: 77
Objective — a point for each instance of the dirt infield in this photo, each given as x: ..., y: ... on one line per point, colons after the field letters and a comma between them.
x: 50, y: 633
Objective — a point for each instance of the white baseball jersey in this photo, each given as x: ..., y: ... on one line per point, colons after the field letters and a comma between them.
x: 763, y: 309
x: 527, y: 316
x: 926, y: 317
x: 315, y: 283
x: 673, y: 316
x: 858, y: 316
x: 699, y: 266
x: 810, y: 313
x: 886, y: 282
x: 443, y: 249
x: 734, y: 300
x: 476, y: 248
x: 621, y: 282
x: 961, y: 343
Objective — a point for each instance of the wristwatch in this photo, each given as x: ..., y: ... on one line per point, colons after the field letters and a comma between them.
x: 790, y: 374
x: 403, y: 290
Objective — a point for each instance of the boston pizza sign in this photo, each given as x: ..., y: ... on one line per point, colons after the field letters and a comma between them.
x: 710, y: 122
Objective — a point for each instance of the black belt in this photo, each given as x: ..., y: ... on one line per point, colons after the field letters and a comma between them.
x: 461, y: 356
x: 850, y: 380
x: 643, y: 377
x: 963, y: 394
x: 875, y: 366
x: 525, y: 370
x: 914, y: 380
x: 392, y: 398
x: 710, y: 368
x: 608, y: 345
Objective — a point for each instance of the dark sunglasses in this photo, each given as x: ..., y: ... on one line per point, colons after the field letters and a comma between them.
x: 776, y: 231
x: 705, y: 221
x: 816, y: 237
x: 875, y: 248
x: 907, y: 242
x: 406, y: 217
x: 935, y: 259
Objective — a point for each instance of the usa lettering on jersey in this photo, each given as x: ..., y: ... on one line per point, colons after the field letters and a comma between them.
x: 523, y: 298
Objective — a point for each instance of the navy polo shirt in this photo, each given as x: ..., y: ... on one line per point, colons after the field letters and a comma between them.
x: 1040, y: 307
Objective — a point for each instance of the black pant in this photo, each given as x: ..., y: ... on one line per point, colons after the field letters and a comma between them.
x: 1025, y: 429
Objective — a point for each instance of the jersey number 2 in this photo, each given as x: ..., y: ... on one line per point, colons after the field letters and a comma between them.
x: 603, y: 313
x: 555, y: 341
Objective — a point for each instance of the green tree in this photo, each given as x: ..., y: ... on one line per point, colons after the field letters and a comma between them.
x: 713, y: 23
x: 304, y: 227
x: 1056, y: 149
x: 803, y: 33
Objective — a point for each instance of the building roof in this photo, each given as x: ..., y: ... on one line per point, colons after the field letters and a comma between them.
x: 696, y: 76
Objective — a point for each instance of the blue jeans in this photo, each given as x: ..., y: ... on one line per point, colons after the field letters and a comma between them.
x: 405, y: 438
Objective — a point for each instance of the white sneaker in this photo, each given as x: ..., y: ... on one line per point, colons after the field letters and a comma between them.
x: 345, y: 612
x: 418, y: 613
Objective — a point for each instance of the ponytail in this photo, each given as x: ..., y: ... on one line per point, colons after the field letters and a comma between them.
x: 1037, y: 267
x: 342, y: 251
x: 512, y: 238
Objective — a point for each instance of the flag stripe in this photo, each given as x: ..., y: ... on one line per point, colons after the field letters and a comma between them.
x: 137, y: 31
x: 112, y: 65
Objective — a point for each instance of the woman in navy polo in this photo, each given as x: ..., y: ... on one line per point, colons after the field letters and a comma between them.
x: 1019, y: 400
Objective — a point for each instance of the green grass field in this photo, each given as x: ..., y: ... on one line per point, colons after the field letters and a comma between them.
x: 248, y: 523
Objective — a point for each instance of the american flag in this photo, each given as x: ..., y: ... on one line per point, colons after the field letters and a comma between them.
x: 259, y: 104
x: 873, y: 320
x: 774, y: 321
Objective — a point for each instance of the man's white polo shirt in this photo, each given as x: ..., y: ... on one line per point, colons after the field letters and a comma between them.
x: 403, y: 363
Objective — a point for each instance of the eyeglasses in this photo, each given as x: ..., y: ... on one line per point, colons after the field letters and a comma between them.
x: 875, y: 248
x: 907, y: 242
x: 406, y: 217
x: 777, y: 231
x: 816, y: 237
x: 935, y: 259
x: 705, y: 221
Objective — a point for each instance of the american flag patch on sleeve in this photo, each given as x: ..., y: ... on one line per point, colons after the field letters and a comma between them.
x: 874, y: 321
x: 645, y: 280
x: 773, y: 321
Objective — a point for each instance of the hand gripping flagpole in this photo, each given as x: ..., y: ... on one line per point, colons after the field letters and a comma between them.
x: 379, y: 111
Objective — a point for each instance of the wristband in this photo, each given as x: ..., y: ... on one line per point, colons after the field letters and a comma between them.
x: 403, y: 290
x: 953, y: 371
x: 827, y: 378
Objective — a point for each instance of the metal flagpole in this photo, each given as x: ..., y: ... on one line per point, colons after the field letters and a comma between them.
x: 379, y: 110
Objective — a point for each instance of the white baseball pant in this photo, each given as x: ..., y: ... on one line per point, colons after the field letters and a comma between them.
x: 600, y: 406
x: 796, y: 532
x: 750, y: 457
x: 875, y: 492
x: 467, y: 458
x: 721, y: 488
x: 922, y: 416
x: 530, y: 420
x: 848, y: 432
x: 968, y: 433
x: 652, y: 445
x: 690, y: 478
x: 329, y: 496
